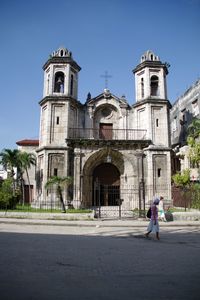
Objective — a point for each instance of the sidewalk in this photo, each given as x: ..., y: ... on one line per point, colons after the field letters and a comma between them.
x: 61, y: 220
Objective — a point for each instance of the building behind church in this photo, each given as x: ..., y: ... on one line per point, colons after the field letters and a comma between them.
x: 183, y: 111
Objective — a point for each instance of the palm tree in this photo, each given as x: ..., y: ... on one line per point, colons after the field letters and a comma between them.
x: 9, y: 160
x: 59, y: 183
x: 26, y: 160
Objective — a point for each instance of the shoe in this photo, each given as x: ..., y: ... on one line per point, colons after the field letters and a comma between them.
x: 157, y: 236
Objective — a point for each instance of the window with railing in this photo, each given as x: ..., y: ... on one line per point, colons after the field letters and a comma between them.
x: 107, y: 133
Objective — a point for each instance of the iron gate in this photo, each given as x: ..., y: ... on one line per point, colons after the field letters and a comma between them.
x: 108, y: 201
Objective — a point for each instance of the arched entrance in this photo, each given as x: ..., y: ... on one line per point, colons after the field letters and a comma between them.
x: 106, y: 185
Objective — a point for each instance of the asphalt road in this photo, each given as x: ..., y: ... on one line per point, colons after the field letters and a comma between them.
x: 57, y: 262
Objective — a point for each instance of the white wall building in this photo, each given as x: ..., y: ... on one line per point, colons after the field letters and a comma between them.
x: 3, y: 173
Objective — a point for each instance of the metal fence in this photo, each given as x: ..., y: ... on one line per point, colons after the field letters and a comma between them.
x: 186, y: 197
x: 106, y: 201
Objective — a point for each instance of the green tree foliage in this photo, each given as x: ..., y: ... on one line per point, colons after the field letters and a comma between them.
x: 194, y: 142
x: 59, y: 183
x: 21, y: 161
x: 25, y: 161
x: 9, y: 160
x: 193, y: 129
x: 182, y: 179
x: 7, y: 198
x: 196, y: 196
x: 194, y: 154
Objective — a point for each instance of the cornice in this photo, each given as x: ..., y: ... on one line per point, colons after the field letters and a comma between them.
x: 62, y: 60
x: 152, y: 101
x: 120, y: 144
x: 60, y: 99
x: 52, y: 148
x: 151, y: 64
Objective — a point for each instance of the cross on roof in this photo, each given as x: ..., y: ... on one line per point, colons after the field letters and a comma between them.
x: 106, y: 76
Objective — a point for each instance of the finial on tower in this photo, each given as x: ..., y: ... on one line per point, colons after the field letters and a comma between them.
x: 62, y: 52
x: 149, y: 56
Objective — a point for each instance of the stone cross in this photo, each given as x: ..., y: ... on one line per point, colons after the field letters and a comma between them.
x: 106, y: 76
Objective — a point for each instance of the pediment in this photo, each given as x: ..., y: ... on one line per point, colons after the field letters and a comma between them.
x: 106, y: 97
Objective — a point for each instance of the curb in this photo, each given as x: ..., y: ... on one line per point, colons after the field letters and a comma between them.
x: 96, y: 223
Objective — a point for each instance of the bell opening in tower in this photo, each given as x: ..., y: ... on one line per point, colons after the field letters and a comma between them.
x: 154, y: 86
x: 59, y: 83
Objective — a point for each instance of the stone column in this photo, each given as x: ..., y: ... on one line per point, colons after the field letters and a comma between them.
x: 141, y: 183
x: 91, y: 115
x: 169, y: 174
x: 77, y: 179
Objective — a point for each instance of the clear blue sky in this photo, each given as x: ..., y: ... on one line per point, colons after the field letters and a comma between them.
x: 102, y: 35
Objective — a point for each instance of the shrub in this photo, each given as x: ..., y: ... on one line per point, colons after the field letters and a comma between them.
x: 182, y: 180
x: 8, y: 198
x: 196, y: 196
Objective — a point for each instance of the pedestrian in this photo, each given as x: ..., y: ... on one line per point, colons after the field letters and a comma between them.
x: 153, y: 224
x: 161, y: 209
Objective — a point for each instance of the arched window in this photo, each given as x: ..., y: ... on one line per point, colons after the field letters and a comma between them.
x: 154, y: 85
x: 142, y: 87
x: 71, y: 84
x: 59, y: 83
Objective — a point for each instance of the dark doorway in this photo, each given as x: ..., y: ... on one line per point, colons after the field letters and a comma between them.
x: 27, y: 196
x: 106, y: 185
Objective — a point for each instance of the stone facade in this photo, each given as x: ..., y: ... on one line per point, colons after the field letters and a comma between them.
x: 182, y: 112
x: 113, y: 150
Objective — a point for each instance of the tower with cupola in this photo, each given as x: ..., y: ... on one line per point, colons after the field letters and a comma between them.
x: 60, y: 89
x: 61, y: 75
x: 59, y: 112
x: 151, y: 112
x: 152, y: 105
x: 150, y: 77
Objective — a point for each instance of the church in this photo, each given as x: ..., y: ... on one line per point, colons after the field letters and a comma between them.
x: 116, y: 153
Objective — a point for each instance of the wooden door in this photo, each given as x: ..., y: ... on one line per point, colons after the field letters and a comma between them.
x: 105, y: 131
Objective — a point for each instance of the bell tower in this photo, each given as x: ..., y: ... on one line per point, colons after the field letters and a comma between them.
x: 59, y: 95
x: 59, y: 112
x: 152, y: 114
x: 61, y: 75
x: 152, y: 106
x: 150, y: 77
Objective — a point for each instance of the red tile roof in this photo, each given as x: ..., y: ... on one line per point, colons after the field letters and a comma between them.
x: 28, y: 143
